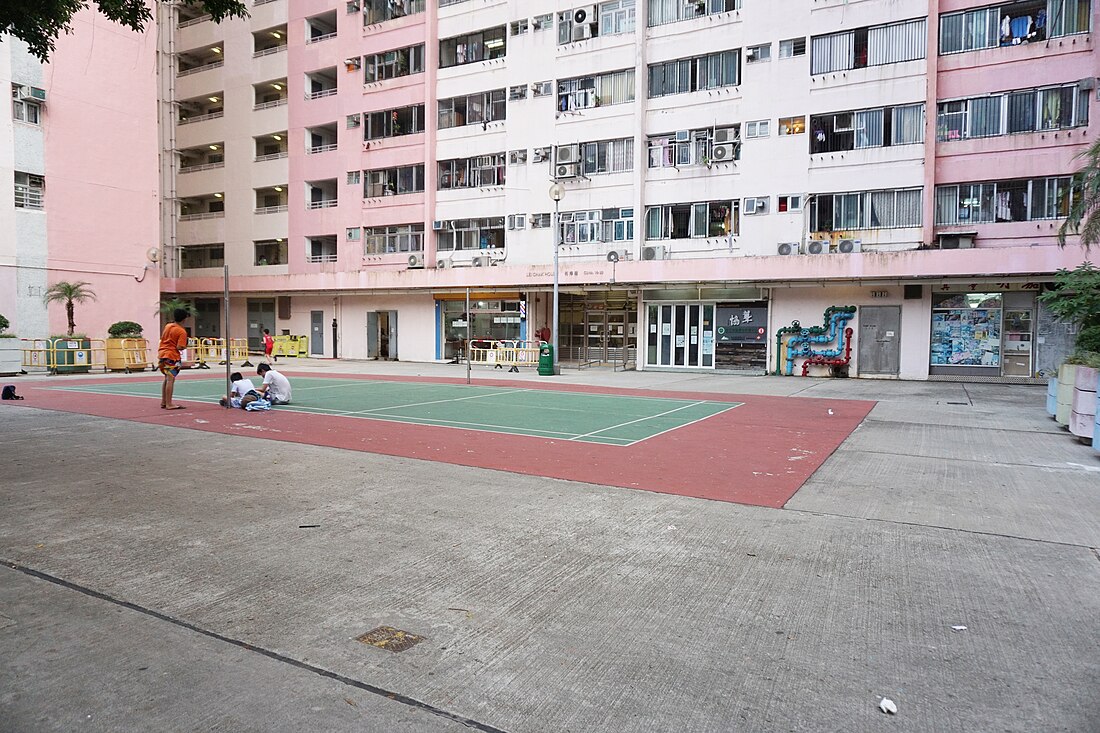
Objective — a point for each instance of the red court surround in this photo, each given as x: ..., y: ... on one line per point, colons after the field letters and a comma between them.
x: 759, y: 453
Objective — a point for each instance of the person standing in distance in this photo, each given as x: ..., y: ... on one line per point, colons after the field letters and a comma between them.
x: 269, y: 346
x: 276, y: 387
x: 173, y: 340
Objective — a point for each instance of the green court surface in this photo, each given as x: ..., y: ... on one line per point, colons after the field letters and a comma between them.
x: 573, y: 416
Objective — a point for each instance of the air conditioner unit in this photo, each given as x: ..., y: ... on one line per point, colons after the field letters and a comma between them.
x: 567, y: 170
x: 723, y: 153
x: 846, y: 246
x: 437, y: 225
x: 353, y: 63
x: 653, y: 252
x: 756, y: 206
x: 618, y: 254
x: 726, y: 135
x: 416, y: 260
x: 788, y: 248
x: 751, y: 54
x: 582, y: 32
x: 584, y: 15
x: 817, y: 246
x: 683, y: 136
x: 444, y: 264
x: 482, y: 261
x: 32, y: 94
x: 567, y: 154
x: 1087, y: 84
x: 956, y: 241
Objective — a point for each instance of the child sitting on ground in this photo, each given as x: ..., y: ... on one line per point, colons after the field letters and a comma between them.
x: 241, y: 393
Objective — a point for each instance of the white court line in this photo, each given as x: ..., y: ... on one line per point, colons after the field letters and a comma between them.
x: 641, y: 419
x: 701, y: 419
x: 435, y: 402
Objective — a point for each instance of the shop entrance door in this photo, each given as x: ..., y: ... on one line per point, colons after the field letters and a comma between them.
x: 382, y: 335
x: 261, y: 315
x: 879, y: 339
x: 317, y: 333
x: 606, y: 336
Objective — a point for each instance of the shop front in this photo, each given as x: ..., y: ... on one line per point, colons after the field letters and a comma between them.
x: 728, y: 332
x: 493, y: 316
x: 598, y: 328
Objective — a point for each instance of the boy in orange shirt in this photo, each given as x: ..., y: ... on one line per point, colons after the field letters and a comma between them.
x: 172, y: 341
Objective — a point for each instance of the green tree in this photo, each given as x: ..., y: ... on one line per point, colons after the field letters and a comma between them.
x: 38, y: 23
x: 168, y: 307
x: 70, y: 294
x: 1076, y: 299
x: 1084, y: 210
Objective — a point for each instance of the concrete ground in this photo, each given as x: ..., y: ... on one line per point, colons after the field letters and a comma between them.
x: 159, y: 578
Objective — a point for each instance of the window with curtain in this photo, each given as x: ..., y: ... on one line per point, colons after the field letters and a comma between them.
x: 907, y: 126
x: 834, y: 52
x: 608, y: 156
x: 897, y: 42
x: 984, y: 116
x: 1067, y: 17
x: 868, y: 128
x: 970, y: 30
x: 662, y: 12
x: 616, y: 17
x: 681, y: 76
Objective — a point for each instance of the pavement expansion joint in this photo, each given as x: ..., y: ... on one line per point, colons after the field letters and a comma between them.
x: 321, y: 671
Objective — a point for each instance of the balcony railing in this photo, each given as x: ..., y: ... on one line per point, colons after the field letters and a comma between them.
x: 318, y: 39
x: 193, y: 21
x: 204, y: 67
x: 203, y: 215
x: 269, y: 51
x: 28, y: 198
x: 270, y: 209
x: 201, y: 167
x: 322, y: 204
x: 269, y: 105
x: 271, y: 156
x: 321, y: 93
x: 201, y: 118
x: 322, y: 148
x: 324, y: 257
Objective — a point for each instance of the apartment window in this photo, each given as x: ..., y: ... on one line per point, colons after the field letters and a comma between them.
x: 894, y: 209
x: 607, y: 156
x: 270, y: 252
x: 393, y: 122
x: 673, y: 11
x: 685, y: 221
x: 541, y: 155
x: 480, y: 46
x: 713, y: 71
x: 691, y: 147
x: 758, y: 128
x: 518, y: 27
x: 30, y: 190
x: 543, y: 22
x: 517, y: 92
x: 353, y: 178
x: 542, y: 88
x: 393, y: 64
x: 600, y: 225
x: 394, y: 181
x: 354, y: 121
x: 480, y: 171
x: 788, y: 203
x: 352, y: 234
x: 393, y: 239
x: 472, y: 109
x: 517, y: 157
x: 616, y: 17
x: 1013, y: 24
x: 467, y: 234
x: 1052, y: 108
x: 540, y: 221
x: 792, y: 47
x: 194, y: 257
x: 758, y: 54
x: 1004, y: 201
x: 24, y: 110
x: 585, y: 92
x: 869, y: 128
x: 379, y: 11
x: 792, y: 125
x: 874, y: 46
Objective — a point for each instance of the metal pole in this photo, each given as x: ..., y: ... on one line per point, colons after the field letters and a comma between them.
x: 557, y: 246
x: 225, y: 341
x: 468, y: 335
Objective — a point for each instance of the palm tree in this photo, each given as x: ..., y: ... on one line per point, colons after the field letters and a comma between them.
x: 70, y: 293
x: 168, y: 308
x: 1084, y: 211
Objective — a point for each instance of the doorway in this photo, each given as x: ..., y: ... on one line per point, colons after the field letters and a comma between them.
x: 208, y: 318
x: 261, y: 315
x: 879, y: 339
x: 382, y: 335
x: 317, y: 333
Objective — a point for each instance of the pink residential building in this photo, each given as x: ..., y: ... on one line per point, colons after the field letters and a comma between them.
x: 726, y: 171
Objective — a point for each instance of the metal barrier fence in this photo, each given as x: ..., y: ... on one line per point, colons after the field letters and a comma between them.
x: 506, y: 353
x: 64, y: 355
x: 200, y: 352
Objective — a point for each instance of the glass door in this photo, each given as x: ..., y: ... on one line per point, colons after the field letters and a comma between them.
x: 596, y: 336
x: 680, y: 335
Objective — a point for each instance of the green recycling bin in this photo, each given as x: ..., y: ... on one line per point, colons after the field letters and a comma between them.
x: 546, y: 360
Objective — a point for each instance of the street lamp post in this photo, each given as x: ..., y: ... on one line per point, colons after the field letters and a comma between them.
x: 557, y: 191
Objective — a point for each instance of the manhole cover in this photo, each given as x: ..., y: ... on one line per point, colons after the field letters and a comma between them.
x: 390, y: 639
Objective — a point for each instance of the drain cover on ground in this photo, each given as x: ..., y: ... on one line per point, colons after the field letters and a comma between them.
x: 390, y: 639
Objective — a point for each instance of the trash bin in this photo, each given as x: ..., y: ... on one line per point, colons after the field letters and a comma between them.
x: 546, y: 360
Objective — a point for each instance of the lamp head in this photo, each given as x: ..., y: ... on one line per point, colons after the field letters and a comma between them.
x: 557, y: 192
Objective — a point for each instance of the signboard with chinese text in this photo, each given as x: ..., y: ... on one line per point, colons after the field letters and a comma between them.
x: 741, y: 325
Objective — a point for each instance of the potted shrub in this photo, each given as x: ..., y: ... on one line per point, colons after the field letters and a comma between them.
x: 11, y: 352
x: 71, y: 353
x: 121, y: 336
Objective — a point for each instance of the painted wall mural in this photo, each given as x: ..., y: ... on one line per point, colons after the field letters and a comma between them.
x: 794, y: 342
